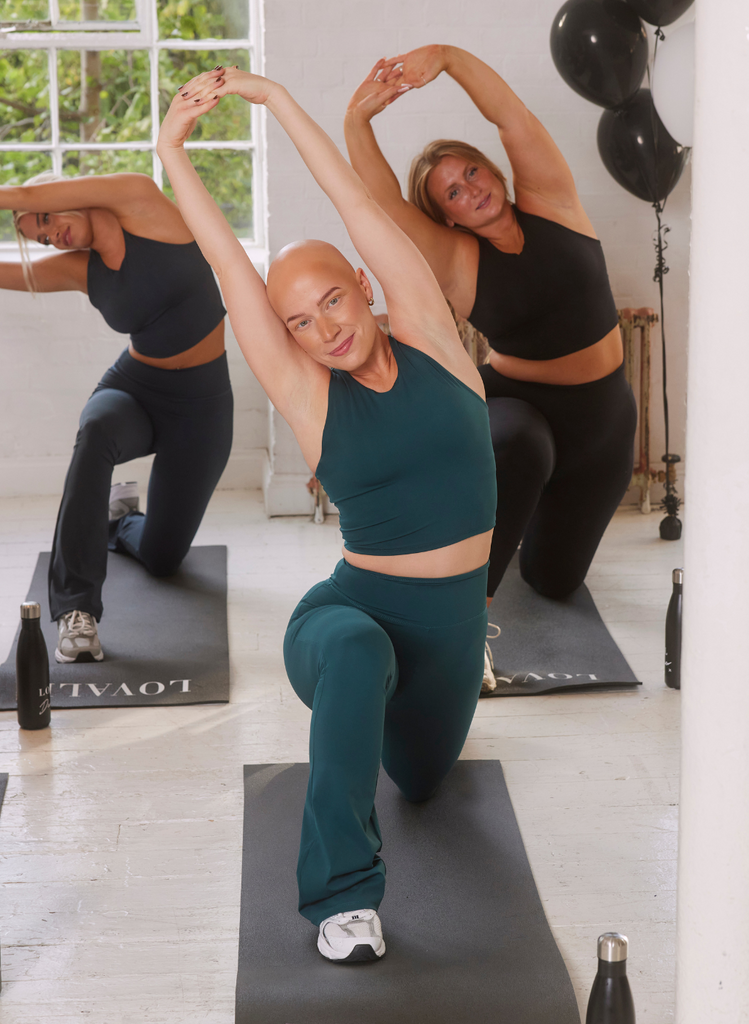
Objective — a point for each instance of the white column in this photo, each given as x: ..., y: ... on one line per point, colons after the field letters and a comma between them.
x: 713, y: 887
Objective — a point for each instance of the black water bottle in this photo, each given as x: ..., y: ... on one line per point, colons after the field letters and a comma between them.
x: 32, y: 670
x: 611, y: 997
x: 673, y: 633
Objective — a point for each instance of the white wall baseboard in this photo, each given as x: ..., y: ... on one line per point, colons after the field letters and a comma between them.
x: 286, y: 494
x: 21, y: 477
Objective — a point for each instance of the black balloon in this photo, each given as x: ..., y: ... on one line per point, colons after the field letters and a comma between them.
x: 660, y: 12
x: 637, y: 150
x: 600, y: 48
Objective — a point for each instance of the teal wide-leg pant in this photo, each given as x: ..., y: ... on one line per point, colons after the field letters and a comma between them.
x: 391, y: 667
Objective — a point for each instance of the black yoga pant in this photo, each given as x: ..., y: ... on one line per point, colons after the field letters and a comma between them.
x: 185, y: 417
x: 391, y: 667
x: 564, y: 457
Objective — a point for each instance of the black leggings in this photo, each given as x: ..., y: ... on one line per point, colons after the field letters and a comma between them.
x: 185, y: 417
x: 564, y: 458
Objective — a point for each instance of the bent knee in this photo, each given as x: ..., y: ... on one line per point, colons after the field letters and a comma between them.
x: 357, y: 638
x: 521, y: 437
x: 418, y: 794
x: 97, y: 432
x: 163, y: 565
x: 554, y: 585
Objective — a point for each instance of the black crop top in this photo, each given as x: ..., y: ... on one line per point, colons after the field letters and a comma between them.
x: 164, y: 295
x: 549, y: 300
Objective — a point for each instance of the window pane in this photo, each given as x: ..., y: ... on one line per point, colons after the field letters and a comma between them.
x: 227, y: 174
x: 15, y: 168
x: 24, y: 97
x: 24, y: 10
x: 115, y: 104
x: 219, y: 19
x: 107, y: 161
x: 97, y: 10
x: 231, y: 119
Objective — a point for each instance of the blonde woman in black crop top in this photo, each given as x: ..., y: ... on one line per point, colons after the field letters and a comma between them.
x: 123, y: 243
x: 532, y: 277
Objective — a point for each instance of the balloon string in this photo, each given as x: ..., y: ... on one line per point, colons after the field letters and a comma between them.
x: 670, y: 502
x: 661, y: 269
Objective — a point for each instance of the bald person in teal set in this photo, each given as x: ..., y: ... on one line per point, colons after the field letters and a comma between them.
x: 389, y: 652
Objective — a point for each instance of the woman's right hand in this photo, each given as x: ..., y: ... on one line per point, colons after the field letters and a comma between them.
x: 380, y: 88
x: 419, y: 67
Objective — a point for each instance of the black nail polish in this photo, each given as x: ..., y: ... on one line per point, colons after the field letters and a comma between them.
x: 184, y: 94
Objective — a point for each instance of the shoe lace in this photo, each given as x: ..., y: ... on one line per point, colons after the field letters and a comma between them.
x: 493, y: 636
x: 80, y: 623
x: 361, y: 915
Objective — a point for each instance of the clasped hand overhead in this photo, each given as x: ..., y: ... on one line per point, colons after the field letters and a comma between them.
x: 391, y: 77
x: 204, y: 93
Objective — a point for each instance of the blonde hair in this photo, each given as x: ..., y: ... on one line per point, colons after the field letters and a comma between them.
x: 27, y: 264
x: 427, y: 160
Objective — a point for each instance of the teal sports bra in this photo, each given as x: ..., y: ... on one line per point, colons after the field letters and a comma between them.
x: 410, y: 469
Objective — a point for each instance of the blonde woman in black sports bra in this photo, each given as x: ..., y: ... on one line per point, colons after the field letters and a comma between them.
x: 531, y: 276
x: 124, y: 244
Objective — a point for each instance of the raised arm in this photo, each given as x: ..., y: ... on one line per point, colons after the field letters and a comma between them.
x: 417, y: 310
x: 541, y: 176
x: 286, y: 373
x: 65, y: 272
x: 437, y: 243
x: 120, y: 193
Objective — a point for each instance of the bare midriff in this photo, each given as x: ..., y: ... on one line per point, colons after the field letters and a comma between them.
x: 210, y: 348
x: 465, y: 556
x: 589, y: 364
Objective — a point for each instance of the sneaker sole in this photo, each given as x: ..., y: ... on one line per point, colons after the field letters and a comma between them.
x: 87, y: 656
x: 361, y: 954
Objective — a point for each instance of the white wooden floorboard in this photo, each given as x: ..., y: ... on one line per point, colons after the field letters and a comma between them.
x: 121, y: 830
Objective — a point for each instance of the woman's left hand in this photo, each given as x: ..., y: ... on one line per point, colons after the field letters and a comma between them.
x: 183, y: 113
x: 419, y: 67
x: 202, y: 94
x: 231, y: 81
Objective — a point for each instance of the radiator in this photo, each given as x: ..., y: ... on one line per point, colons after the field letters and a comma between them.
x: 637, y: 370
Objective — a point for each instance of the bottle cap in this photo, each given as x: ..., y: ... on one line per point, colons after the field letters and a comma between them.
x: 612, y: 947
x: 678, y: 575
x: 30, y: 610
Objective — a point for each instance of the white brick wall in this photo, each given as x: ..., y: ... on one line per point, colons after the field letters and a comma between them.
x: 54, y: 349
x: 322, y: 50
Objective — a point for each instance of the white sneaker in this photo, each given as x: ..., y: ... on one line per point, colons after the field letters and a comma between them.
x: 123, y: 499
x: 489, y: 682
x: 352, y: 937
x: 77, y: 638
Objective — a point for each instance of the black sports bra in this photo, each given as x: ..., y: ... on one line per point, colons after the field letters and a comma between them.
x: 164, y: 295
x: 549, y: 300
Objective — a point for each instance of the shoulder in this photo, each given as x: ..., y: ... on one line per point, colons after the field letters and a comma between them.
x: 453, y: 365
x: 573, y: 217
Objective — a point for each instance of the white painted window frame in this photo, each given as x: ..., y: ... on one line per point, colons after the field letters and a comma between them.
x: 143, y: 35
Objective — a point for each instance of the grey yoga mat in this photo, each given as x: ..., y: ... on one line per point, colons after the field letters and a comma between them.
x: 467, y: 940
x: 549, y: 646
x: 165, y: 640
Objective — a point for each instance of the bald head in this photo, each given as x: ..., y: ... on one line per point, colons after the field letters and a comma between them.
x: 300, y: 270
